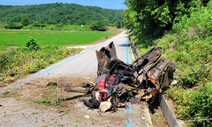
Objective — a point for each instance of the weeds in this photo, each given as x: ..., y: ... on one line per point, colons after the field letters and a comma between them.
x: 189, y: 45
x: 26, y: 60
x: 50, y: 98
x: 34, y: 113
x: 9, y: 93
x: 193, y: 105
x: 32, y: 45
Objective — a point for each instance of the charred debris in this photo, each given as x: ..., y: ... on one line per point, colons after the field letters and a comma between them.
x: 119, y: 83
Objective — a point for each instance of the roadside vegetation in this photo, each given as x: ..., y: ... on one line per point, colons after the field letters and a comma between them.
x: 183, y: 30
x: 16, y: 62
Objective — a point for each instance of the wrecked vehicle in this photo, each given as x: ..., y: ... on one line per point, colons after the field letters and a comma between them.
x: 118, y: 83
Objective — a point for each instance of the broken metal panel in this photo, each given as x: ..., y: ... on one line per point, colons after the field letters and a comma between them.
x: 105, y: 56
x: 150, y: 73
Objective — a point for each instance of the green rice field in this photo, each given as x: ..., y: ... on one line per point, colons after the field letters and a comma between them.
x: 49, y: 37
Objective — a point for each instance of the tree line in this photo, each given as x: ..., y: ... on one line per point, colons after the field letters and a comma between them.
x: 150, y: 19
x: 58, y: 13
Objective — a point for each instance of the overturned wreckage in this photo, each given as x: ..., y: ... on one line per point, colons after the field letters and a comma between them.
x: 118, y: 82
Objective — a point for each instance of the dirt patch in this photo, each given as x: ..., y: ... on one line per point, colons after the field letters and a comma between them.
x: 37, y: 93
x: 20, y: 114
x: 158, y: 120
x: 40, y: 103
x: 171, y: 104
x: 39, y: 90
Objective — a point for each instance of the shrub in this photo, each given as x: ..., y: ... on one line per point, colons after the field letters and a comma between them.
x: 25, y: 21
x: 32, y: 45
x: 119, y: 24
x: 14, y: 26
x: 38, y: 25
x: 5, y: 58
x: 99, y: 26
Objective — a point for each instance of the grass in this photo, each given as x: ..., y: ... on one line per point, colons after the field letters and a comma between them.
x: 34, y: 113
x: 193, y: 105
x: 58, y: 27
x: 59, y: 38
x: 50, y: 98
x: 21, y: 61
x: 9, y: 93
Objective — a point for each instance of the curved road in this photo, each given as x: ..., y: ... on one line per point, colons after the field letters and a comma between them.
x: 85, y: 63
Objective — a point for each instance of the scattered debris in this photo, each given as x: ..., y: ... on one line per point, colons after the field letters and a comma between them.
x: 105, y: 105
x: 174, y: 82
x: 118, y: 83
x: 87, y: 117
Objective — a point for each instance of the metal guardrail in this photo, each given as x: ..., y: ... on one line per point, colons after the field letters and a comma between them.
x: 135, y: 49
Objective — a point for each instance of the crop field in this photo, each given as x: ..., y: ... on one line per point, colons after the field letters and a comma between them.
x: 59, y: 38
x: 55, y: 27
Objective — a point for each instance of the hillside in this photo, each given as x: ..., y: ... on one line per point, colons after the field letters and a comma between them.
x: 58, y: 13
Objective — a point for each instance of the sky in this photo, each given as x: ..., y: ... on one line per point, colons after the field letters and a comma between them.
x: 112, y: 4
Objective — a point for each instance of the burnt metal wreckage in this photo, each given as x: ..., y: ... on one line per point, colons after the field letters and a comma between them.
x: 118, y: 83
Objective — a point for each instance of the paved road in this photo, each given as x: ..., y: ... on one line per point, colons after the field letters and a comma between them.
x: 85, y: 64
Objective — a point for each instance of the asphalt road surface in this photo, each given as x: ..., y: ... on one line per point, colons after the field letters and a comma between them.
x: 85, y: 63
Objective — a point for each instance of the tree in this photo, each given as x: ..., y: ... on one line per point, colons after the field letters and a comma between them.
x: 25, y: 21
x: 149, y: 19
x: 99, y: 25
x: 14, y: 26
x: 119, y: 24
x: 68, y: 14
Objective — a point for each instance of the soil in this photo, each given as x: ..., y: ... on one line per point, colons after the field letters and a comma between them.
x: 158, y: 120
x: 27, y: 107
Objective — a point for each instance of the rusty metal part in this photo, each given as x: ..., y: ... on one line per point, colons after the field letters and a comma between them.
x: 150, y: 73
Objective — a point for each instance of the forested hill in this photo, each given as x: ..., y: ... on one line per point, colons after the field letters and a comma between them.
x: 58, y: 13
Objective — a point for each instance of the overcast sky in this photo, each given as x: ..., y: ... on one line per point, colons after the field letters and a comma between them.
x: 112, y: 4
